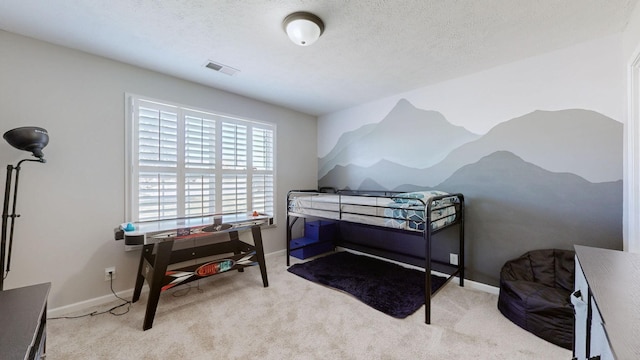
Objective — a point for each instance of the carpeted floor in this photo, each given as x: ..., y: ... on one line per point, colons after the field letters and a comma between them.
x: 232, y: 316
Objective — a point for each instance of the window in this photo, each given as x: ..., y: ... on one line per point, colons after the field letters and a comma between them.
x: 184, y: 162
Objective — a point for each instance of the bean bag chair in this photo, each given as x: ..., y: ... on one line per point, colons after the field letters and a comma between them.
x: 535, y: 292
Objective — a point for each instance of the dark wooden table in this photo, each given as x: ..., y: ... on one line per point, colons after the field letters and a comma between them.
x: 158, y: 253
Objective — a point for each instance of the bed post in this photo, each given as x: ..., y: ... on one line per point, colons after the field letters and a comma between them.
x: 288, y: 240
x: 288, y: 230
x: 427, y: 265
x: 289, y: 225
x: 461, y: 260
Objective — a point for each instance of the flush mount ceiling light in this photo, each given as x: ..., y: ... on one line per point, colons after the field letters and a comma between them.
x: 303, y: 28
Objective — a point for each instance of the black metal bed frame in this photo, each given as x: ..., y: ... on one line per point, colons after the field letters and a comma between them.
x: 426, y: 234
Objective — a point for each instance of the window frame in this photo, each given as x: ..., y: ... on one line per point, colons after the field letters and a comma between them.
x: 132, y: 168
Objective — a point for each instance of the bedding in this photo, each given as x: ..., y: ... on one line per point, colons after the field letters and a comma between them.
x: 404, y: 211
x: 417, y: 197
x: 406, y: 215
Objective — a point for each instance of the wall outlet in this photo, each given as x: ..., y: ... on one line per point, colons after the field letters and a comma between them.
x: 453, y: 259
x: 108, y: 270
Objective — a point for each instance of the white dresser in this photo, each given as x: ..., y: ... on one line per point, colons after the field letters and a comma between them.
x: 607, y: 304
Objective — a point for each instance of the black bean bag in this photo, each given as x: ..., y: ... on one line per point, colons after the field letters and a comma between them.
x: 535, y: 292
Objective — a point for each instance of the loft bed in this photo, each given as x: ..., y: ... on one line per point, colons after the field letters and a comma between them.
x: 393, y: 225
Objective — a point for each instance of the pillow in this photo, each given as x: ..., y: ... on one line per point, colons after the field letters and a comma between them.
x: 415, y: 197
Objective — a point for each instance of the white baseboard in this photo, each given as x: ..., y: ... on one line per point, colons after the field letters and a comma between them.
x: 467, y: 283
x: 127, y: 294
x: 83, y: 305
x: 481, y: 286
x: 278, y: 252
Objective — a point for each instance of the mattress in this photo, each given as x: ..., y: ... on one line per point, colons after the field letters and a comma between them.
x: 404, y: 211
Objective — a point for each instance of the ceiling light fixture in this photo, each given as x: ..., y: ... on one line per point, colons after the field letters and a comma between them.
x: 303, y: 28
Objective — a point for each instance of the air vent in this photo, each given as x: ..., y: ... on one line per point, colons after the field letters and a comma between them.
x: 221, y: 68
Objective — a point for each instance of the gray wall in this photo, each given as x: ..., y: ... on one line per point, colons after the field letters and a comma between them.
x: 70, y: 205
x: 549, y: 177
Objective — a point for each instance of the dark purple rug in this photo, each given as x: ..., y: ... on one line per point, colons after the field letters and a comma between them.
x: 387, y: 287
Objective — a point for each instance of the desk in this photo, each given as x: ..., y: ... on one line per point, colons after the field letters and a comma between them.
x: 23, y: 319
x: 157, y: 254
x: 609, y: 282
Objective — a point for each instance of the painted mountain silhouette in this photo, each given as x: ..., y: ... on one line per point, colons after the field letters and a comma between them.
x: 385, y: 174
x: 514, y: 206
x: 407, y: 135
x: 333, y: 158
x: 582, y: 142
x: 577, y: 141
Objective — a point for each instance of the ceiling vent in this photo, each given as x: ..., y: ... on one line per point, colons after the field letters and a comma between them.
x: 221, y: 68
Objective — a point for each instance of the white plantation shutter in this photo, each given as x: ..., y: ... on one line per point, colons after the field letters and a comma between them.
x: 200, y: 142
x: 157, y: 161
x: 262, y: 193
x: 262, y: 149
x: 200, y: 163
x: 234, y: 146
x: 234, y: 193
x: 157, y: 135
x: 191, y: 163
x: 262, y: 187
x: 200, y: 194
x: 157, y: 196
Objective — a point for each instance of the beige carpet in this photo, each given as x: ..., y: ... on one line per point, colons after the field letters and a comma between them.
x: 231, y: 316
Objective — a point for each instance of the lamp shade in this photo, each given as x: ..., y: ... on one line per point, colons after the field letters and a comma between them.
x: 303, y: 28
x: 28, y: 138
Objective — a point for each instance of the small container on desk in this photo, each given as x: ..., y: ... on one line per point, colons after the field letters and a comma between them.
x: 318, y: 239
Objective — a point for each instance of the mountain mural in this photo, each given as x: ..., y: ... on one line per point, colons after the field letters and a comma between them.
x: 577, y: 141
x: 513, y: 206
x: 407, y: 135
x: 547, y: 179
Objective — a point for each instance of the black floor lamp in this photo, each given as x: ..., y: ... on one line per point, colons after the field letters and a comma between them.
x: 32, y: 139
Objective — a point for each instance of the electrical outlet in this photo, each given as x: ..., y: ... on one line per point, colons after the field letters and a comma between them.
x: 453, y: 259
x: 108, y: 270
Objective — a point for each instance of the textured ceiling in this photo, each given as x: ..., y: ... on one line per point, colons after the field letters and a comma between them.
x: 369, y: 50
